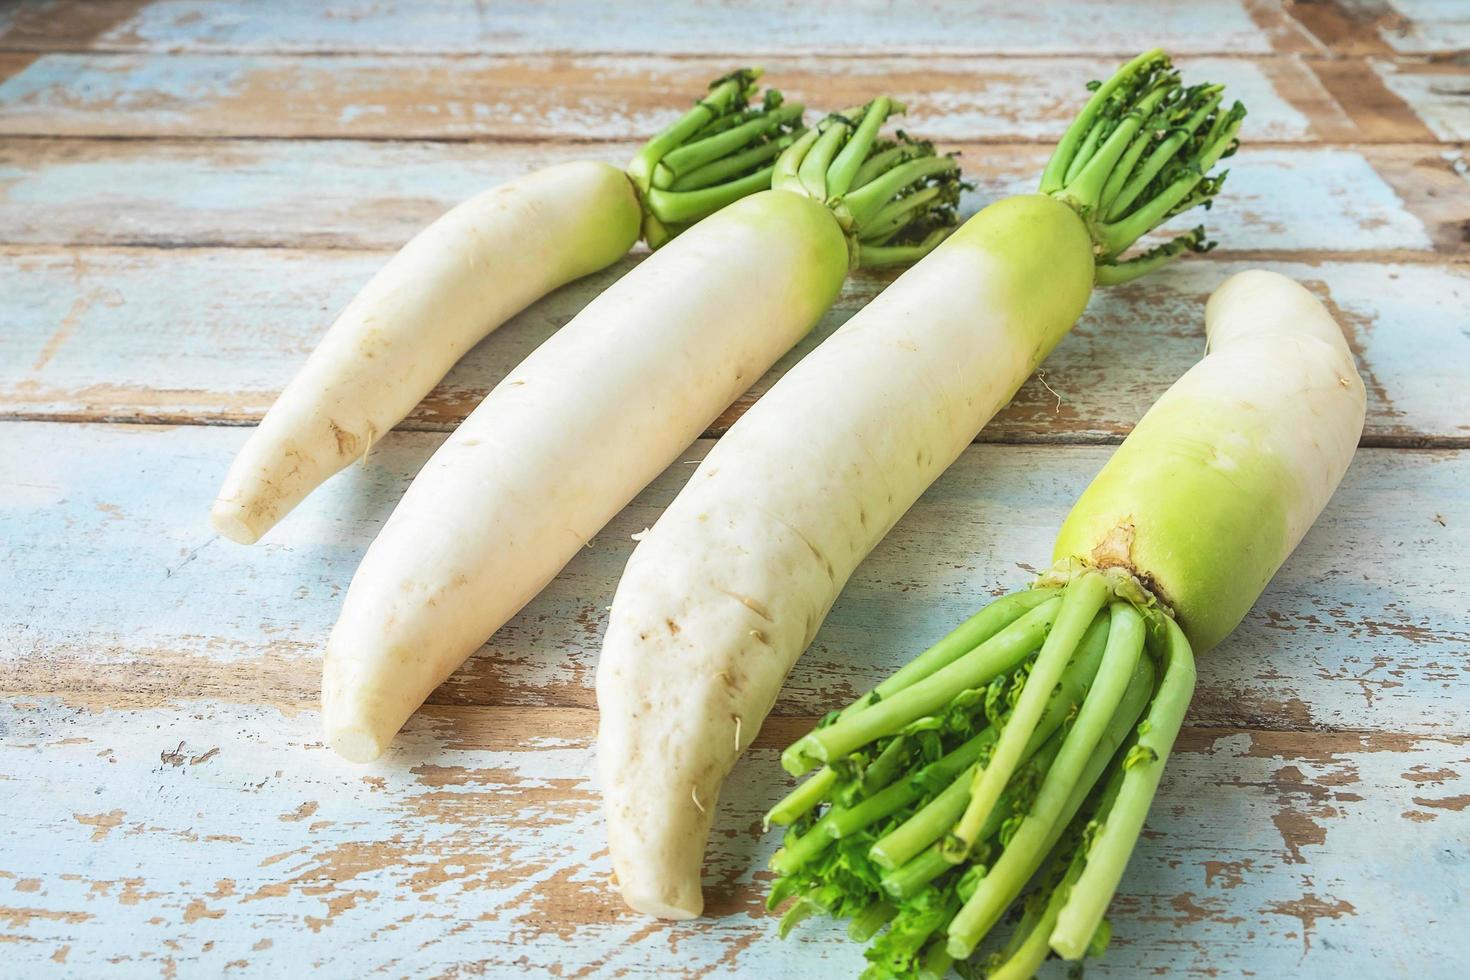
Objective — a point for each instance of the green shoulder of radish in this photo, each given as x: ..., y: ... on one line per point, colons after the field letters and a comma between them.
x: 1027, y: 745
x: 730, y: 585
x: 607, y: 403
x: 474, y: 268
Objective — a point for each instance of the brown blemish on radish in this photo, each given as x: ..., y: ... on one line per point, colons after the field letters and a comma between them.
x: 750, y: 603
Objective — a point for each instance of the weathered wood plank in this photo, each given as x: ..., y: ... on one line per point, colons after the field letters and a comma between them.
x: 665, y: 27
x: 1438, y: 94
x: 330, y: 193
x: 591, y: 98
x: 1366, y: 628
x: 213, y: 335
x: 1354, y: 28
x: 339, y: 193
x: 1429, y: 27
x: 44, y: 25
x: 223, y: 838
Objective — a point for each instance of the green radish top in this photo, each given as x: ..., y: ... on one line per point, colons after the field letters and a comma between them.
x: 721, y: 150
x: 895, y: 199
x: 1138, y: 154
x: 1220, y: 480
x: 1009, y: 768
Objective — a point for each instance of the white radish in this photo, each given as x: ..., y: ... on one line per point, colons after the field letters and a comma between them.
x: 476, y: 267
x: 732, y: 582
x: 1086, y: 675
x: 1242, y: 454
x: 591, y: 417
x: 457, y: 280
x: 563, y: 444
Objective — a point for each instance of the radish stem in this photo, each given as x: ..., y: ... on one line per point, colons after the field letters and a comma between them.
x: 1177, y: 536
x: 1082, y: 599
x: 745, y: 551
x: 964, y: 638
x: 1142, y: 768
x: 1000, y: 653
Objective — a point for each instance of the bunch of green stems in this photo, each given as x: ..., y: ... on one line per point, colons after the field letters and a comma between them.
x: 1023, y: 748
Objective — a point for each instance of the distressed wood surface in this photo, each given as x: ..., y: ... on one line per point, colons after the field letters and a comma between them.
x: 478, y: 841
x: 1365, y: 628
x: 596, y: 97
x: 1327, y: 748
x: 1409, y: 201
x: 190, y: 190
x: 662, y: 26
x: 212, y: 335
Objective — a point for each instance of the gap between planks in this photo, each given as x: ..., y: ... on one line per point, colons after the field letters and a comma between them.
x: 1023, y: 438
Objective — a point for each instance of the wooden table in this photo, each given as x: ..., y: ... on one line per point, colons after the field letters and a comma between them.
x: 190, y: 190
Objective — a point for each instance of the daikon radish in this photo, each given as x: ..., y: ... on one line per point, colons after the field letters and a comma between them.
x: 609, y: 401
x: 1073, y: 698
x: 732, y: 582
x: 473, y: 269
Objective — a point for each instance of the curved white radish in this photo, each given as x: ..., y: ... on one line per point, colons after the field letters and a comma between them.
x: 452, y: 284
x: 1236, y: 460
x: 732, y: 582
x: 729, y: 586
x: 563, y: 443
x: 1162, y: 554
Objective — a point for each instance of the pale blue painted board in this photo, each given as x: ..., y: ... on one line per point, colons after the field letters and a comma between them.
x: 700, y: 27
x: 1429, y: 26
x: 1440, y: 98
x: 592, y: 98
x: 213, y: 335
x: 477, y: 844
x: 345, y: 193
x: 110, y: 565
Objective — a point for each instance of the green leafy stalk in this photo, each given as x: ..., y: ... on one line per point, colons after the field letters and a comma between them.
x: 1030, y: 843
x: 1030, y: 945
x: 1044, y: 690
x: 1139, y: 153
x: 1083, y: 597
x: 964, y: 638
x: 716, y: 153
x: 895, y: 199
x: 1142, y: 768
x: 1000, y: 653
x: 932, y: 822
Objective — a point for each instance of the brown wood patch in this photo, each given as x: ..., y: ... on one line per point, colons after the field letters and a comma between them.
x: 1347, y: 27
x: 60, y: 25
x: 1375, y: 111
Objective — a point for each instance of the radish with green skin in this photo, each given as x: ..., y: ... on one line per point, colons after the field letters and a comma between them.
x: 732, y: 582
x: 607, y: 403
x: 1162, y: 556
x: 476, y: 267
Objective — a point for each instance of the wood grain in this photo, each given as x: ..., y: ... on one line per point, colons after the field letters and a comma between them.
x: 1438, y: 94
x: 1355, y: 28
x: 212, y: 335
x: 589, y: 98
x: 663, y: 26
x: 228, y: 838
x: 1400, y: 201
x: 1365, y: 628
x: 189, y: 190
